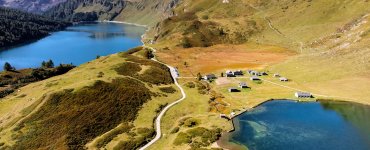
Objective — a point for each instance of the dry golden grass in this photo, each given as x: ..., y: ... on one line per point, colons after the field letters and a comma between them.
x: 220, y: 57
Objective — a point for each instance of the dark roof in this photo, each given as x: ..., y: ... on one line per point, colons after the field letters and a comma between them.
x: 210, y: 76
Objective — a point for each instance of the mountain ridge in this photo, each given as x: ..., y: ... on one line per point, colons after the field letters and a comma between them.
x: 34, y: 6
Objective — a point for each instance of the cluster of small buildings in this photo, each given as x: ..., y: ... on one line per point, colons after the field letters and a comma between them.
x: 236, y: 73
x: 255, y: 76
x: 282, y: 79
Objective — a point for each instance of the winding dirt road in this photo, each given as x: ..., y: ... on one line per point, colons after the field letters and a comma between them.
x: 174, y: 75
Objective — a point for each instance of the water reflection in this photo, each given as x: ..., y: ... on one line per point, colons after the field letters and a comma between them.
x: 356, y: 114
x: 77, y: 44
x: 303, y: 126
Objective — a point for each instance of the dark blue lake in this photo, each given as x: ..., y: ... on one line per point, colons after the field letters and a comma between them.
x: 278, y: 125
x: 77, y: 44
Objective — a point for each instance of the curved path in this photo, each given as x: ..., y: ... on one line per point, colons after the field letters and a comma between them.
x: 174, y: 75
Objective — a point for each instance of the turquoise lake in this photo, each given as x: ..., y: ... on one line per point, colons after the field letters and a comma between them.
x: 278, y: 125
x: 77, y: 44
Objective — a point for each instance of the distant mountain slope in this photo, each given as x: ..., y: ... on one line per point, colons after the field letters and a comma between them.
x: 35, y: 6
x: 17, y: 27
x: 120, y: 97
x: 205, y: 23
x: 135, y: 11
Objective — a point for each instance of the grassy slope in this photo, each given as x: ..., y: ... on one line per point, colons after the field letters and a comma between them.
x: 330, y: 37
x: 15, y: 108
x: 146, y: 12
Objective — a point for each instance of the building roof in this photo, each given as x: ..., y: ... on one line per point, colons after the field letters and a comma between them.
x: 210, y: 75
x: 243, y: 84
x: 283, y: 79
x: 303, y: 94
x: 254, y: 78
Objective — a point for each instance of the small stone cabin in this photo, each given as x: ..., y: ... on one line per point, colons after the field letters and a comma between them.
x: 254, y: 78
x: 238, y: 73
x: 303, y: 95
x: 283, y: 79
x: 229, y: 73
x: 209, y: 77
x: 243, y: 85
x: 231, y: 90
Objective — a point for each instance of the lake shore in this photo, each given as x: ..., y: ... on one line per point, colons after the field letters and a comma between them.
x: 122, y: 22
x: 224, y: 142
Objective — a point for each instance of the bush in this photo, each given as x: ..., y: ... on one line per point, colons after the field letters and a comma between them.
x: 190, y: 84
x: 125, y: 128
x: 175, y: 130
x: 169, y: 89
x: 191, y: 122
x: 128, y: 69
x: 182, y: 138
x: 71, y: 119
x: 7, y: 67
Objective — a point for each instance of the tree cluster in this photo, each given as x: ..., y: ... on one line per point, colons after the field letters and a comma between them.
x: 17, y: 27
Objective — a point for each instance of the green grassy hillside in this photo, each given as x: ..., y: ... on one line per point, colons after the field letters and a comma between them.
x: 144, y: 12
x: 109, y: 102
x: 287, y: 23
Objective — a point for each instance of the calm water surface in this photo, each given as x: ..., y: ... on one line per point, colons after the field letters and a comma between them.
x: 77, y: 44
x: 278, y: 125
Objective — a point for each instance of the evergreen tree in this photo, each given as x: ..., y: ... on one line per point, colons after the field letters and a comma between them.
x: 50, y: 64
x: 199, y: 76
x: 8, y: 67
x: 43, y: 64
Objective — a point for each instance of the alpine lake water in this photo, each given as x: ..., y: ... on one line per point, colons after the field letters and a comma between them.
x: 283, y: 124
x: 76, y: 44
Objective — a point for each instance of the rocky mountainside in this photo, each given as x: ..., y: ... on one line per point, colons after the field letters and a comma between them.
x: 35, y: 6
x: 135, y: 11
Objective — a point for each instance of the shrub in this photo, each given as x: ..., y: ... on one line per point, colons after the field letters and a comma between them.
x: 182, y: 138
x: 128, y: 69
x: 169, y: 89
x: 198, y: 137
x: 191, y: 122
x: 175, y: 130
x: 124, y: 128
x: 8, y: 67
x: 205, y: 17
x: 133, y: 50
x: 100, y: 75
x: 71, y: 119
x: 190, y: 84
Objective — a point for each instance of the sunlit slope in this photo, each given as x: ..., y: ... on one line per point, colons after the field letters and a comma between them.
x: 109, y: 102
x: 204, y: 23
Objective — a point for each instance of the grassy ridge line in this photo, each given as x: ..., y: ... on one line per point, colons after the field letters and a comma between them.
x: 104, y: 70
